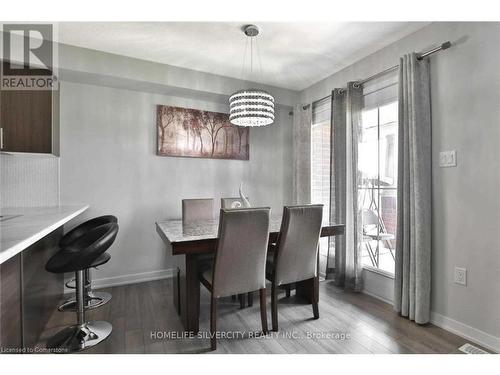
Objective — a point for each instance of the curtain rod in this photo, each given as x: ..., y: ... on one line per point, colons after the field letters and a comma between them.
x: 420, y: 56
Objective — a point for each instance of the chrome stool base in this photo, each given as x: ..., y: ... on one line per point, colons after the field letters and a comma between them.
x: 92, y: 301
x: 79, y: 337
x: 71, y: 284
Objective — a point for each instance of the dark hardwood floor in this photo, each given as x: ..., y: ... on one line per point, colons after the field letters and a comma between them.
x: 139, y: 311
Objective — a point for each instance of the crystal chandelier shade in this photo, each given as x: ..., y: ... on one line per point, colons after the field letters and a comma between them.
x: 251, y: 107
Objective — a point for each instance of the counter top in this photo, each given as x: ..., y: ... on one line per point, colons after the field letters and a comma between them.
x: 22, y: 227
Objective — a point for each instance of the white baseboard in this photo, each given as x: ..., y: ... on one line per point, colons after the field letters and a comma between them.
x: 377, y: 297
x: 133, y: 278
x: 480, y: 337
x: 470, y: 333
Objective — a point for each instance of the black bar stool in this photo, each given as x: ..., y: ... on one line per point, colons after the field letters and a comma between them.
x: 85, y: 252
x: 92, y: 299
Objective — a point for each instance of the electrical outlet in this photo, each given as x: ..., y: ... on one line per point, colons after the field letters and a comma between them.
x: 460, y: 276
x: 448, y: 158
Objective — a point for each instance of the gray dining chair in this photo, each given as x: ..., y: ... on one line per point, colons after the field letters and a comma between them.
x: 197, y: 209
x: 240, y: 260
x: 232, y: 202
x: 295, y: 257
x: 237, y: 203
x: 194, y: 210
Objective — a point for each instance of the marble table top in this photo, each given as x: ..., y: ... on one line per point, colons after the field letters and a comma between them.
x: 172, y: 231
x: 22, y: 227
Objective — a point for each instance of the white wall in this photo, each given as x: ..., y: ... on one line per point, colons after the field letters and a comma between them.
x: 466, y: 204
x: 108, y: 160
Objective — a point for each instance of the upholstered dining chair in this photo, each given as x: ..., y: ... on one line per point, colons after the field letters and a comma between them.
x: 237, y: 203
x: 295, y: 257
x: 240, y: 260
x: 197, y: 209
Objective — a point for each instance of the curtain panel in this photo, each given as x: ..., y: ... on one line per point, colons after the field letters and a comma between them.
x: 337, y: 184
x: 302, y: 117
x: 412, y: 288
x: 346, y: 127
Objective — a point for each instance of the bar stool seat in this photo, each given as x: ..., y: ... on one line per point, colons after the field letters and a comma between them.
x: 103, y: 259
x: 62, y: 262
x: 92, y: 299
x: 84, y: 227
x: 89, y: 249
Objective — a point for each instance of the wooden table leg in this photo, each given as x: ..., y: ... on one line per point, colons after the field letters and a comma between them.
x: 176, y: 291
x: 189, y: 293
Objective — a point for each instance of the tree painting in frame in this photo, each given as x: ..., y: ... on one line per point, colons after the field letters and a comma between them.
x: 200, y: 134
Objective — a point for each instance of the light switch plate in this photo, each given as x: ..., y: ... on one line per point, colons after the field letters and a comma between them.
x: 460, y: 276
x: 448, y: 158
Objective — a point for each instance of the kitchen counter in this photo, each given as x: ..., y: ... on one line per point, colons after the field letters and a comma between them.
x: 22, y: 227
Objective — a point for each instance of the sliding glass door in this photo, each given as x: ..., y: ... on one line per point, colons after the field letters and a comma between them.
x: 377, y: 169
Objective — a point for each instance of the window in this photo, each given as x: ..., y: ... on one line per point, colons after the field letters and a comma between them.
x: 377, y: 168
x: 320, y: 167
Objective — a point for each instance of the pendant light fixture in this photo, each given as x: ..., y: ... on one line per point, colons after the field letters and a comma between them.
x: 251, y: 107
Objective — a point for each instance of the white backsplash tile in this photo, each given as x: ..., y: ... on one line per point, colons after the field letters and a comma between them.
x: 29, y: 181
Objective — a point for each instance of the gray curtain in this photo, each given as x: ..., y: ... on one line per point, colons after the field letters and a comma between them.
x: 412, y: 287
x: 346, y: 127
x: 302, y: 154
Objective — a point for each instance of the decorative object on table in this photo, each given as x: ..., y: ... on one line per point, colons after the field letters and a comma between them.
x: 231, y: 203
x: 244, y: 200
x: 251, y: 106
x: 236, y: 204
x: 200, y: 134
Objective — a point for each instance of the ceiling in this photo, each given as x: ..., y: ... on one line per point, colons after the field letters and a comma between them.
x: 293, y: 55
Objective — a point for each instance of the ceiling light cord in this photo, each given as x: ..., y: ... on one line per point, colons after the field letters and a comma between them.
x: 261, y: 75
x: 251, y: 57
x: 242, y: 75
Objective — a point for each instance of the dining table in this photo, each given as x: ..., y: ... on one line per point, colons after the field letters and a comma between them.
x: 190, y: 242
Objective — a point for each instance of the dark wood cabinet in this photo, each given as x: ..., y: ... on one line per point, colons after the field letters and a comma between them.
x: 29, y: 121
x: 42, y: 290
x: 29, y: 295
x: 10, y: 305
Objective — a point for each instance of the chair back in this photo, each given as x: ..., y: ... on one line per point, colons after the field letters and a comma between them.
x: 369, y: 217
x: 369, y: 221
x: 297, y: 249
x: 240, y: 260
x: 194, y: 210
x: 232, y: 203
